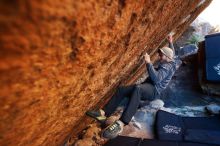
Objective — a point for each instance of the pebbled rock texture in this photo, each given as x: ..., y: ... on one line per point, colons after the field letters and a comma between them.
x: 60, y: 58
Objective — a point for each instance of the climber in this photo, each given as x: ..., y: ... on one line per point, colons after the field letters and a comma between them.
x: 149, y: 90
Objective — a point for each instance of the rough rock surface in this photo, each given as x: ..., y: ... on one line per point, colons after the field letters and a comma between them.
x: 61, y: 58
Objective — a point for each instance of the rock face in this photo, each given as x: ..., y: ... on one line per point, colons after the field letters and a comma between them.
x: 61, y: 58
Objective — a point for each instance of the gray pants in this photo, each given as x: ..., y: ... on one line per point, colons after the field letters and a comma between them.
x: 135, y: 93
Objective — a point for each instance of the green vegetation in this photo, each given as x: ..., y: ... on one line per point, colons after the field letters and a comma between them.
x: 195, y: 39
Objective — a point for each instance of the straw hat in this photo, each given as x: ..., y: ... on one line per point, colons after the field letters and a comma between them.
x: 167, y: 52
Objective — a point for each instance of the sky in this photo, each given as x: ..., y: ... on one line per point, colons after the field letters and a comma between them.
x: 212, y: 13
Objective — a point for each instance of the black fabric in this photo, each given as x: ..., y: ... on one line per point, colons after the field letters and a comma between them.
x: 202, y: 136
x: 211, y: 43
x: 120, y: 94
x: 194, y: 144
x: 213, y: 69
x: 131, y: 141
x: 135, y: 93
x: 147, y: 142
x: 212, y: 123
x: 193, y: 129
x: 123, y: 141
x: 212, y: 57
x: 169, y: 126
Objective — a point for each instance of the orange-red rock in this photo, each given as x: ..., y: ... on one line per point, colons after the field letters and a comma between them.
x: 61, y: 58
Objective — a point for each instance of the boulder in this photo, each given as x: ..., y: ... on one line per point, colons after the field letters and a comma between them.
x: 60, y: 58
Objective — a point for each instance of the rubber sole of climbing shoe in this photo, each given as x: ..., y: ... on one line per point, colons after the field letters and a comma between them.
x: 96, y: 115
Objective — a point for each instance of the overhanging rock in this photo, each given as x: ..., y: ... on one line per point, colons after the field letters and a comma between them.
x: 61, y: 58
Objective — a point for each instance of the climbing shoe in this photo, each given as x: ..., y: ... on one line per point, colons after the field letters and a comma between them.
x: 98, y: 115
x: 113, y: 130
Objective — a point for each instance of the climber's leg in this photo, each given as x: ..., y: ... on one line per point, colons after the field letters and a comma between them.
x: 120, y: 94
x: 141, y: 92
x: 148, y: 91
x: 113, y: 103
x: 138, y: 93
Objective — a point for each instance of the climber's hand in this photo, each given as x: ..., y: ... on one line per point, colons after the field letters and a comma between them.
x: 147, y: 58
x: 170, y: 38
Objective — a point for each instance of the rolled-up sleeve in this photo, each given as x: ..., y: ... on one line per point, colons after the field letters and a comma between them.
x: 157, y: 76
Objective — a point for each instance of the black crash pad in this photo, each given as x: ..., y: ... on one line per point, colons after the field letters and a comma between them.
x: 131, y: 141
x: 192, y: 129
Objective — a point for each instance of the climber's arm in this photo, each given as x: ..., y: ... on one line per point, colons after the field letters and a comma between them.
x: 170, y: 40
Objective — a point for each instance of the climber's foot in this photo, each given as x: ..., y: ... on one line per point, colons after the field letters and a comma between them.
x: 97, y: 114
x: 113, y: 130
